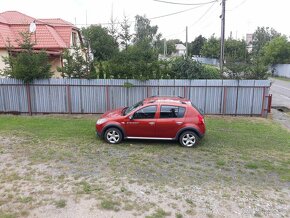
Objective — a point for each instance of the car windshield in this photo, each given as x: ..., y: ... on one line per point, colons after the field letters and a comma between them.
x: 133, y: 107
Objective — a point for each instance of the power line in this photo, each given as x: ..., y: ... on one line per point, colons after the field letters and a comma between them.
x: 151, y: 18
x: 179, y: 3
x: 166, y: 15
x: 201, y: 17
x: 237, y: 6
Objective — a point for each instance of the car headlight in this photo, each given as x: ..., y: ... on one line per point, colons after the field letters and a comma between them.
x: 101, y: 121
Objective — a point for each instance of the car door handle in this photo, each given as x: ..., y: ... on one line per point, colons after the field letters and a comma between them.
x: 151, y: 123
x: 179, y: 123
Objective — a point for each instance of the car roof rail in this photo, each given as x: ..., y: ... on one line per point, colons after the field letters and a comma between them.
x: 166, y: 96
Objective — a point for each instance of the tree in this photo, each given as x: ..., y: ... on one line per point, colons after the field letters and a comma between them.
x: 28, y: 64
x: 170, y: 46
x: 277, y: 51
x: 236, y: 50
x: 138, y: 62
x: 189, y: 69
x: 76, y: 65
x: 196, y: 46
x: 113, y: 29
x: 211, y: 48
x: 102, y: 44
x: 261, y: 37
x: 125, y: 35
x: 144, y: 31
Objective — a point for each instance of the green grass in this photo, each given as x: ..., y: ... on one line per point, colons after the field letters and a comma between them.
x: 159, y: 213
x: 231, y: 145
x: 60, y: 203
x: 109, y: 204
x: 55, y: 128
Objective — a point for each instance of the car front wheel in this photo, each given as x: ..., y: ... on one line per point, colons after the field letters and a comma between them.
x: 113, y: 136
x: 188, y: 139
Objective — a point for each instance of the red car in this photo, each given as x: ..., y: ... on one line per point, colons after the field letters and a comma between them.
x: 168, y: 118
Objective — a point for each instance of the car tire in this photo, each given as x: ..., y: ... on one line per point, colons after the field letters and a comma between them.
x: 188, y: 139
x: 113, y: 136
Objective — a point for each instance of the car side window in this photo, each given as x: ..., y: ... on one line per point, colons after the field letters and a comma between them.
x: 145, y: 113
x: 167, y: 111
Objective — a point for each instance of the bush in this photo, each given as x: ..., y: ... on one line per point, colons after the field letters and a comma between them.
x: 210, y: 72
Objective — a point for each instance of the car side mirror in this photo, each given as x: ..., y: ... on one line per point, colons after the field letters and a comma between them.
x: 131, y: 117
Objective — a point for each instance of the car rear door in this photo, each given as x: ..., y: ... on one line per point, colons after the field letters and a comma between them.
x: 170, y: 121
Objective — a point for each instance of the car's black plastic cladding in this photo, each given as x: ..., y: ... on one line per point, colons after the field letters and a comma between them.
x: 188, y: 129
x: 114, y: 126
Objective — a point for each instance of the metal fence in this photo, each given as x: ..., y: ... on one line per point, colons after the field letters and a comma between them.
x: 74, y: 96
x: 281, y: 70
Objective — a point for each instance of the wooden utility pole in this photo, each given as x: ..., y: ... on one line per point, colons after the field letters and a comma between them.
x: 186, y: 44
x: 222, y: 53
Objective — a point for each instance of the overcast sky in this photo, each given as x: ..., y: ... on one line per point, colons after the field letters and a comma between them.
x: 242, y: 16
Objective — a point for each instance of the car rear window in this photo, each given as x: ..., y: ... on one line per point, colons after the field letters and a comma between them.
x: 168, y: 111
x: 198, y: 109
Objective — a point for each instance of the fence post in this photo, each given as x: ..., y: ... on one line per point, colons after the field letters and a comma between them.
x: 237, y: 98
x: 263, y: 101
x: 269, y: 103
x: 224, y: 100
x: 107, y: 97
x: 28, y: 99
x: 184, y: 92
x: 69, y: 107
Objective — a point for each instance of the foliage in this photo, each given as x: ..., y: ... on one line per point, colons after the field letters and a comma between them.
x: 113, y: 29
x: 277, y: 51
x: 27, y: 65
x: 75, y: 65
x: 210, y: 72
x: 125, y: 35
x: 211, y: 48
x: 102, y: 44
x: 257, y: 70
x: 137, y: 62
x: 236, y: 50
x: 143, y: 30
x: 189, y: 69
x: 253, y: 70
x: 236, y: 70
x: 170, y: 46
x: 261, y: 37
x: 196, y: 46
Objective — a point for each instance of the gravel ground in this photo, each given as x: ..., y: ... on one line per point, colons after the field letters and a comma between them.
x: 86, y: 188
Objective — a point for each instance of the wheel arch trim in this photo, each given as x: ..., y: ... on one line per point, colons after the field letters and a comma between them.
x: 113, y: 126
x: 188, y: 129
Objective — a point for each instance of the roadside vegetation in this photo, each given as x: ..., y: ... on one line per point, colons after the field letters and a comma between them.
x: 54, y: 162
x: 115, y: 52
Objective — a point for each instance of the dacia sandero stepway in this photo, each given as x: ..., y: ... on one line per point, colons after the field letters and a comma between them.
x: 156, y: 117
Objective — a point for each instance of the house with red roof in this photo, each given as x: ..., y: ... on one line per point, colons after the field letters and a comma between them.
x: 51, y: 35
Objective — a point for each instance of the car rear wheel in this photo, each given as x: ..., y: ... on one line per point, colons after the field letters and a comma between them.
x: 188, y: 139
x: 113, y: 136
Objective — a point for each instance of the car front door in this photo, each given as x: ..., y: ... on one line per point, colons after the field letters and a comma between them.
x: 142, y: 123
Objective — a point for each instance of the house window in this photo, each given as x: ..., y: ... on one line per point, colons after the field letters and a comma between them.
x: 74, y: 39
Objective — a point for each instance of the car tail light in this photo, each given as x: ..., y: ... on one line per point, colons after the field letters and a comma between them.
x: 200, y: 119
